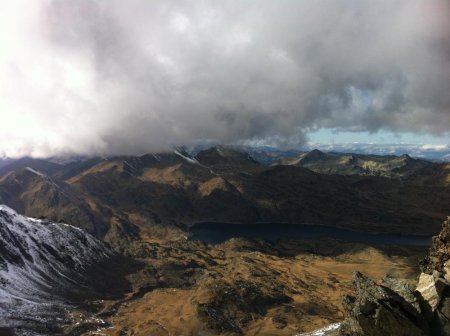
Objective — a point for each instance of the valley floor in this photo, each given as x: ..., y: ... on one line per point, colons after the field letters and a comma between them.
x: 241, y: 287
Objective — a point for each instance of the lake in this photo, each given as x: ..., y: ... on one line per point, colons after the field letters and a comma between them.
x: 215, y: 233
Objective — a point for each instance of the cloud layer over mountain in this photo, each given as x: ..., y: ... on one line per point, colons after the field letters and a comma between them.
x: 137, y: 76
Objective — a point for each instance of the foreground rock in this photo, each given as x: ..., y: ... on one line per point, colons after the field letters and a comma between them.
x: 388, y: 307
x: 382, y: 307
x: 434, y: 286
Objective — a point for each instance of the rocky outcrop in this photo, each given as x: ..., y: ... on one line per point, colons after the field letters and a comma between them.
x: 434, y: 285
x: 232, y: 306
x: 430, y: 289
x: 382, y: 307
x: 388, y: 307
x: 438, y: 258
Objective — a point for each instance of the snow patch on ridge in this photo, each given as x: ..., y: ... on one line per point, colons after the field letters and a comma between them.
x: 43, y: 176
x: 39, y: 262
x: 35, y: 172
x: 187, y: 158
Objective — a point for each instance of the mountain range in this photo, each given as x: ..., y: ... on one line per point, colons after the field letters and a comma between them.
x: 119, y: 199
x: 102, y: 244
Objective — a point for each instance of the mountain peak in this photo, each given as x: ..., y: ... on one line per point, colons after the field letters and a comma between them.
x: 39, y: 165
x: 406, y: 157
x: 7, y: 210
x: 225, y: 156
x: 316, y: 152
x: 313, y: 156
x: 183, y: 153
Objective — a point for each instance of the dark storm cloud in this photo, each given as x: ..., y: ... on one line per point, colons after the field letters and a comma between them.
x: 138, y: 76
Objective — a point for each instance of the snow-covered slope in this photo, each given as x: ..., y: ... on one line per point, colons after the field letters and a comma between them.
x: 40, y: 262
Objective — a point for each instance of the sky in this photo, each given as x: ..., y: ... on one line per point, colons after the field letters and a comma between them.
x: 128, y: 77
x: 330, y: 136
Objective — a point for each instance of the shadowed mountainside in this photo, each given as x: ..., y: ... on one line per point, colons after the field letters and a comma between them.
x: 47, y: 269
x: 143, y: 205
x: 121, y: 199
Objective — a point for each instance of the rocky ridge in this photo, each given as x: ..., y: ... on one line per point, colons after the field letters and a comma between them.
x: 42, y: 266
x: 389, y: 307
x: 434, y: 282
x: 390, y: 166
x: 122, y: 199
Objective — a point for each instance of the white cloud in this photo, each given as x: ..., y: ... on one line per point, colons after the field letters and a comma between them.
x: 181, y: 22
x: 129, y: 77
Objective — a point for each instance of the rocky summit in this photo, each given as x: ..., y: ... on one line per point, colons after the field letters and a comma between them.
x: 434, y: 282
x: 387, y: 306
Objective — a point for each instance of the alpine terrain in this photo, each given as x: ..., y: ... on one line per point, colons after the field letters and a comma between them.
x: 124, y: 245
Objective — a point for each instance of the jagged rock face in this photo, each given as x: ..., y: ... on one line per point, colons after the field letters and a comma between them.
x: 40, y: 262
x: 431, y: 290
x: 382, y: 307
x: 434, y: 286
x: 439, y: 255
x: 385, y: 307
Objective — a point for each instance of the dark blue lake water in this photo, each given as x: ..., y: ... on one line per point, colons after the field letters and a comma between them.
x: 215, y: 233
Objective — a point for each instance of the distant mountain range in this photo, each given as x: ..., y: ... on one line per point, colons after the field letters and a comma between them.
x: 358, y: 164
x: 430, y: 152
x: 120, y: 199
x: 438, y: 152
x: 71, y: 279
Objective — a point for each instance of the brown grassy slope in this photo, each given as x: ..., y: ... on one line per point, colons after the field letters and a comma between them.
x: 187, y: 193
x: 252, y: 288
x: 39, y: 196
x: 122, y: 198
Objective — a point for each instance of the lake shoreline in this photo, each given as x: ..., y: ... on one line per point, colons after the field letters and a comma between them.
x: 217, y: 232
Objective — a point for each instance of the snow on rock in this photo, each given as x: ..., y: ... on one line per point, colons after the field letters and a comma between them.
x: 328, y: 330
x: 35, y: 172
x: 39, y: 261
x: 185, y: 156
x: 42, y: 176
